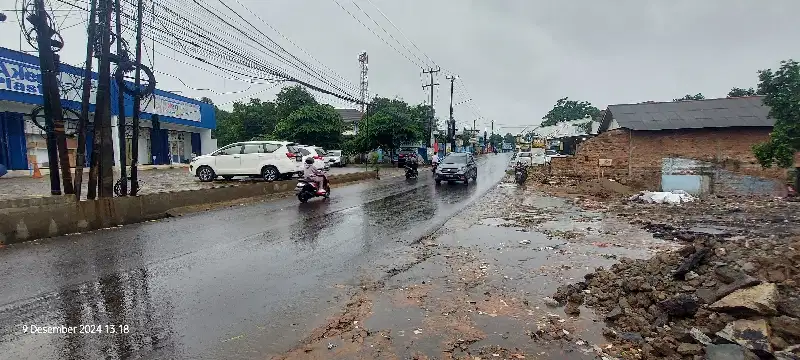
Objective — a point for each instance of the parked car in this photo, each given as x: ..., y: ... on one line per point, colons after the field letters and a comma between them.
x: 317, y: 153
x: 270, y: 160
x: 336, y: 158
x: 524, y: 157
x: 456, y: 167
x: 403, y: 154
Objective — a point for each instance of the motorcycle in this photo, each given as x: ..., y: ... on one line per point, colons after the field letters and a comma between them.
x: 411, y: 172
x: 433, y: 167
x: 307, y: 190
x: 520, y: 174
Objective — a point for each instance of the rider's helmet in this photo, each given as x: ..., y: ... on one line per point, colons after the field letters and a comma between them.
x: 309, y: 160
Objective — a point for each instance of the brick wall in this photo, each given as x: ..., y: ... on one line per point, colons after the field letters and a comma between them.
x: 730, y: 148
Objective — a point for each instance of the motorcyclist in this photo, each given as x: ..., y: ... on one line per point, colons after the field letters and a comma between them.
x: 311, y: 173
x: 412, y: 162
x: 435, y: 160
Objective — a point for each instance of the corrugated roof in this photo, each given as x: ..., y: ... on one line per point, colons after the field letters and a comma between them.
x: 726, y: 112
x: 350, y: 115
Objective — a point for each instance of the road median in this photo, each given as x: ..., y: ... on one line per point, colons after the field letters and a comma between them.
x: 49, y: 220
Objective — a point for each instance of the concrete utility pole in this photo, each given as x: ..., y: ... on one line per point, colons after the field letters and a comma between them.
x: 121, y: 118
x: 53, y: 113
x: 451, y: 124
x: 137, y: 101
x: 103, y: 149
x: 432, y: 72
x: 363, y: 61
x: 83, y: 122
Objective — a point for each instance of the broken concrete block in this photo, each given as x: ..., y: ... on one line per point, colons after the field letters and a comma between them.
x: 689, y: 349
x: 760, y: 299
x: 614, y: 314
x: 681, y: 305
x: 752, y: 334
x: 728, y: 352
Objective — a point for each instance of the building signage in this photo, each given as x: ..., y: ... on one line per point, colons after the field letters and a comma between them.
x: 164, y: 106
x: 26, y: 78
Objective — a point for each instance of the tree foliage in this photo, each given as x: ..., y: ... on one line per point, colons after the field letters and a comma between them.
x: 739, y: 92
x: 496, y: 140
x: 389, y: 123
x: 313, y: 124
x: 698, y: 96
x: 509, y: 138
x: 567, y: 110
x: 781, y: 89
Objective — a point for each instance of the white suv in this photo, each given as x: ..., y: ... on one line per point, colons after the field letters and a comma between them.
x: 317, y: 153
x: 271, y: 160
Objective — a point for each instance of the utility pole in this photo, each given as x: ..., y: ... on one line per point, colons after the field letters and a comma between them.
x: 103, y: 150
x: 51, y: 93
x: 493, y: 144
x: 80, y: 156
x: 452, y: 122
x: 432, y: 72
x: 137, y: 101
x: 121, y: 118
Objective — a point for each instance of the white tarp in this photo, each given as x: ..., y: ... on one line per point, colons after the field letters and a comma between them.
x: 663, y: 197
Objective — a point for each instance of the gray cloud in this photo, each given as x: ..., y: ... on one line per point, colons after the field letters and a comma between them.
x: 517, y: 57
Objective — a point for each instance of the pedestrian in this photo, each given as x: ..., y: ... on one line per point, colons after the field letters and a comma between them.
x: 435, y: 160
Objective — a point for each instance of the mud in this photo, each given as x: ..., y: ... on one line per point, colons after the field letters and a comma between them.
x: 478, y: 287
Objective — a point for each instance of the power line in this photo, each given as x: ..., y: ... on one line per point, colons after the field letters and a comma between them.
x: 402, y: 33
x: 387, y: 33
x: 378, y: 36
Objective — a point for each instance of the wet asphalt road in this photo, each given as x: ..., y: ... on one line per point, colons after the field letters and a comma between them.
x: 244, y: 282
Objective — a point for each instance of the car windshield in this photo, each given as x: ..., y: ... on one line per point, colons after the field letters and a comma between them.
x: 456, y: 159
x: 524, y: 154
x: 551, y: 152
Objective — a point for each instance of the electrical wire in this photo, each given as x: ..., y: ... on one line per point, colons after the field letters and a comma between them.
x: 402, y: 33
x: 384, y: 30
x: 378, y: 36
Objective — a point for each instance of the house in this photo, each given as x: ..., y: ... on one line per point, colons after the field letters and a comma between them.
x: 565, y: 136
x: 350, y: 118
x: 636, y: 141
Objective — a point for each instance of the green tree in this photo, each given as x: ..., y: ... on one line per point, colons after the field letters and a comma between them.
x: 739, y: 92
x: 257, y: 118
x: 781, y: 89
x: 509, y: 138
x: 496, y: 140
x: 207, y: 100
x: 567, y: 110
x: 292, y: 98
x: 387, y: 124
x: 698, y: 96
x: 229, y: 128
x: 313, y: 124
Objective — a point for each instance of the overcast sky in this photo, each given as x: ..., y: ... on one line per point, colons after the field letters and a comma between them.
x: 515, y: 57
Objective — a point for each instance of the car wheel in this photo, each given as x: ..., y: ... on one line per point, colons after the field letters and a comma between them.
x: 227, y: 177
x: 270, y: 173
x: 206, y: 174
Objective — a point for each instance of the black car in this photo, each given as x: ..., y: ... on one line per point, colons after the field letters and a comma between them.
x: 403, y: 154
x: 456, y: 167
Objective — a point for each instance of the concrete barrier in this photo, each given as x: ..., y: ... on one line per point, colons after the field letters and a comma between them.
x: 60, y: 218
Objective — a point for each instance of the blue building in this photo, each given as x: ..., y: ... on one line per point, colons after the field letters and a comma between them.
x: 183, y: 128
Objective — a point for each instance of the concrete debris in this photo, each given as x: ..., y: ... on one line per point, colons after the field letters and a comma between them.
x: 728, y: 352
x: 757, y: 300
x: 752, y: 334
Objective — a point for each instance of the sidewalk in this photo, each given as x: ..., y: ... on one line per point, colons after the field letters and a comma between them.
x: 153, y: 179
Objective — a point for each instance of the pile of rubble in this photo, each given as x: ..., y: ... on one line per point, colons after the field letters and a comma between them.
x: 727, y: 298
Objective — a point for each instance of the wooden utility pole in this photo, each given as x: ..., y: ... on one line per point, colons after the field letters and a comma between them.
x: 431, y: 85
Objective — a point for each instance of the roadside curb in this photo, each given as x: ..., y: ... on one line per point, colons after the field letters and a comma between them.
x: 36, y: 222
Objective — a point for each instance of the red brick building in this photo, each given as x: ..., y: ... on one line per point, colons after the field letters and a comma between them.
x: 636, y: 138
